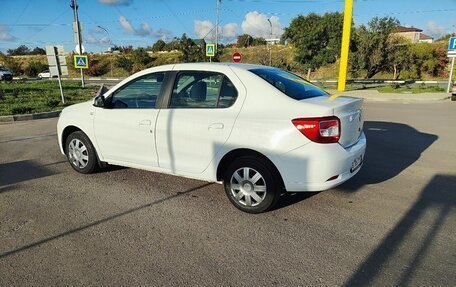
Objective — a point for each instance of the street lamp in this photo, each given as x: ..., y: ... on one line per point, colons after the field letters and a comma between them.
x: 110, y: 44
x: 270, y: 48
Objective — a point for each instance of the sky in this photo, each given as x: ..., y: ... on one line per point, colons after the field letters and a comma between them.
x: 142, y: 22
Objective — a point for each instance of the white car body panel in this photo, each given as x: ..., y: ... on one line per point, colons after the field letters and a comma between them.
x: 192, y: 142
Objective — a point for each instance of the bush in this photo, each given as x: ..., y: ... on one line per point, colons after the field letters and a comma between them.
x: 141, y: 57
x: 124, y: 63
x: 14, y: 66
x: 21, y: 109
x: 97, y: 69
x: 34, y: 68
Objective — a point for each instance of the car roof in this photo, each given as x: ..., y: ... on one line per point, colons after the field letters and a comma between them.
x: 203, y: 65
x: 221, y: 64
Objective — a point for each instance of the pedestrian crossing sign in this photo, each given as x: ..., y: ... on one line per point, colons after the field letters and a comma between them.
x: 81, y: 62
x: 210, y: 50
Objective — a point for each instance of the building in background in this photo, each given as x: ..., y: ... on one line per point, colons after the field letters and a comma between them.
x: 413, y: 34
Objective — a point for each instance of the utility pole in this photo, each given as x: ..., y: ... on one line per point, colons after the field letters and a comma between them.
x: 345, y: 45
x: 74, y: 6
x: 217, y: 23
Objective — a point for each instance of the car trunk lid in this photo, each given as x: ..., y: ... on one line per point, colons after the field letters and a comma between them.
x: 349, y: 111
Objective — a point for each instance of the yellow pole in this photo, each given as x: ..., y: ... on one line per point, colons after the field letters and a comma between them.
x: 345, y: 45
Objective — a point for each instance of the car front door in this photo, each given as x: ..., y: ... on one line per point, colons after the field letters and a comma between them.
x: 125, y: 129
x: 200, y: 116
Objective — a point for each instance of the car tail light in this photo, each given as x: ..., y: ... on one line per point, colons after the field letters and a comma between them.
x: 319, y: 130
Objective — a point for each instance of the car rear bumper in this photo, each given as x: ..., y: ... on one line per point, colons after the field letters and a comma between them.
x: 316, y: 167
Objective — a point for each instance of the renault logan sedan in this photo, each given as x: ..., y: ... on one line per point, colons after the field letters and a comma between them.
x: 260, y: 130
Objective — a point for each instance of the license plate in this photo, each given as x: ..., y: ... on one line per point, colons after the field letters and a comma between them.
x: 356, y: 163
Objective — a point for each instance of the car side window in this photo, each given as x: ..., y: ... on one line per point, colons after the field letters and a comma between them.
x: 140, y: 93
x: 197, y: 89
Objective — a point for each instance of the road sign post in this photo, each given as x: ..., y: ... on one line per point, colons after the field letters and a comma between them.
x: 59, y: 72
x: 210, y: 51
x: 57, y: 64
x: 451, y: 54
x: 78, y: 36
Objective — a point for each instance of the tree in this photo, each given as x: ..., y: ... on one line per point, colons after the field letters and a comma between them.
x: 244, y: 40
x: 446, y: 37
x: 190, y: 51
x: 373, y: 45
x: 316, y: 37
x: 259, y: 41
x: 159, y: 46
x: 38, y: 51
x: 21, y: 50
x: 399, y: 56
x: 430, y: 58
x: 172, y: 45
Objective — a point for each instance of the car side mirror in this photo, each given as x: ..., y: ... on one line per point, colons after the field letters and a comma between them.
x: 99, y: 101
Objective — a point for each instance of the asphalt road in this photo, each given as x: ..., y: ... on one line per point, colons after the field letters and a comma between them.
x: 394, y: 224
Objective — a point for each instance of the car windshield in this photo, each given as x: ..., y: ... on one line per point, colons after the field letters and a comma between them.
x: 3, y: 69
x: 290, y: 84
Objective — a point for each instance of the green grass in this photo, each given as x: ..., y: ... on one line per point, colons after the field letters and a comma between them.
x: 40, y: 96
x: 413, y: 90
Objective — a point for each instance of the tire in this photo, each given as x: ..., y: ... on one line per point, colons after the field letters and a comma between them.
x: 453, y: 97
x: 246, y: 192
x: 80, y: 153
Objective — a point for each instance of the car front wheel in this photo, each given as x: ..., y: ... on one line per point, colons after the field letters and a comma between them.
x: 252, y: 185
x: 81, y: 153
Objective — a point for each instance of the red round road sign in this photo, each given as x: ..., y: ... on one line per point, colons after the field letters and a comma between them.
x: 237, y: 57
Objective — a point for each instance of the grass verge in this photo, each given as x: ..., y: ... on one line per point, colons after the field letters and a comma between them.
x: 411, y: 90
x: 40, y: 96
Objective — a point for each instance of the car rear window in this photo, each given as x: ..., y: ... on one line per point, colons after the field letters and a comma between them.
x: 290, y: 84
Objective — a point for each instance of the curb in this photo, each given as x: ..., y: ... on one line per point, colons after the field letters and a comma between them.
x: 29, y: 117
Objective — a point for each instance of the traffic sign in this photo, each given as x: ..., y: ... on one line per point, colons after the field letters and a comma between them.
x: 237, y: 57
x: 452, y: 44
x: 81, y: 62
x: 210, y: 50
x: 77, y: 49
x: 56, y: 57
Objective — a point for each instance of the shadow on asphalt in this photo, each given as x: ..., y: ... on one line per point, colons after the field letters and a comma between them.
x: 98, y: 222
x: 391, y: 148
x: 19, y: 171
x: 438, y: 197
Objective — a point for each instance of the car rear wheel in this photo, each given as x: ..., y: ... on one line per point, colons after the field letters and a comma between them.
x: 252, y: 185
x: 81, y: 153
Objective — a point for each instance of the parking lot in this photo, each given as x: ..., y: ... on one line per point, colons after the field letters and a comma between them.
x: 393, y: 224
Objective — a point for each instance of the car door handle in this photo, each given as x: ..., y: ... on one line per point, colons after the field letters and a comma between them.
x: 145, y: 123
x: 216, y: 126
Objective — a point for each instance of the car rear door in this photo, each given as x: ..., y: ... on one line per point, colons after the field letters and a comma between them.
x: 201, y: 112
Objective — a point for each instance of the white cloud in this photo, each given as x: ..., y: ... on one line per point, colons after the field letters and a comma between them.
x: 230, y: 30
x: 144, y: 30
x: 5, y: 35
x: 206, y: 30
x: 126, y: 25
x: 434, y: 30
x: 257, y: 25
x: 91, y: 39
x: 116, y: 2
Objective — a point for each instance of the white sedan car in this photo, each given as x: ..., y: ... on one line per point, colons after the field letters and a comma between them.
x: 44, y: 74
x: 260, y: 130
